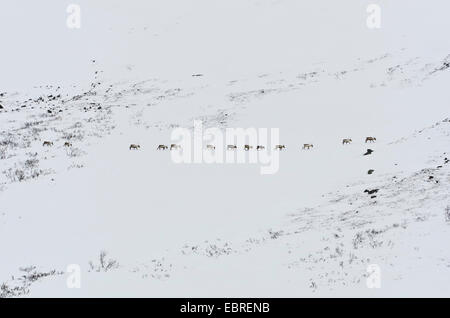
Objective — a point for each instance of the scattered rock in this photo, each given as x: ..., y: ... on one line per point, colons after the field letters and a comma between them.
x: 368, y: 152
x: 371, y: 191
x: 370, y: 171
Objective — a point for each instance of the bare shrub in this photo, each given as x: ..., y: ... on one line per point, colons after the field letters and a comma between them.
x: 9, y: 142
x: 21, y: 286
x: 214, y: 250
x: 33, y: 275
x: 35, y: 132
x: 25, y: 170
x: 3, y: 153
x: 31, y: 163
x: 12, y: 142
x: 74, y: 152
x: 104, y: 264
x: 14, y: 175
x: 367, y: 237
x: 358, y: 240
x: 75, y: 135
x: 447, y: 214
x: 7, y: 291
x: 275, y: 234
x: 30, y: 124
x: 210, y: 249
x: 75, y: 166
x: 77, y: 125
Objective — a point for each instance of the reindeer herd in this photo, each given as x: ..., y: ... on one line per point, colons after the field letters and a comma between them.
x: 345, y: 141
x: 50, y: 144
x: 247, y: 147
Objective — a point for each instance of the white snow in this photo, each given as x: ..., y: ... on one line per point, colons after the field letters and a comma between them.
x: 313, y: 70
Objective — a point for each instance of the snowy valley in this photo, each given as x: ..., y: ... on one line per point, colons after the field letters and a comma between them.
x: 75, y: 196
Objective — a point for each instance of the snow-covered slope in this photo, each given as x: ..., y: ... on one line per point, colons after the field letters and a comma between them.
x: 314, y: 71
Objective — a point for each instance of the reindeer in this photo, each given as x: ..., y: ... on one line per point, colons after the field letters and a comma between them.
x: 135, y: 147
x: 47, y: 143
x: 280, y: 147
x: 346, y: 141
x: 260, y: 147
x: 248, y: 147
x: 174, y: 146
x: 371, y: 139
x: 308, y: 146
x: 210, y: 147
x: 162, y: 147
x: 67, y: 144
x: 231, y: 147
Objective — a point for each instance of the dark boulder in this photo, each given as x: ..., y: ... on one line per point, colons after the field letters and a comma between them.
x: 370, y: 192
x: 368, y: 152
